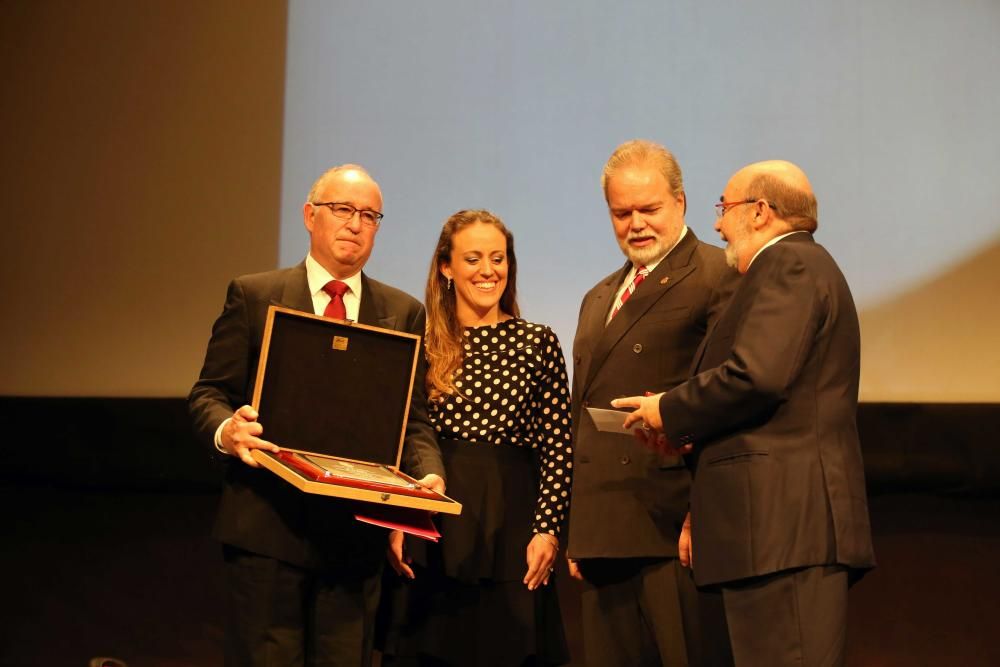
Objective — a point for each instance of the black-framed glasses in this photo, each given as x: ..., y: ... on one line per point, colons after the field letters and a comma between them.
x: 723, y: 206
x: 345, y: 211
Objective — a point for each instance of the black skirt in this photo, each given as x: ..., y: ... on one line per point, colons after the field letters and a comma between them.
x: 467, y: 604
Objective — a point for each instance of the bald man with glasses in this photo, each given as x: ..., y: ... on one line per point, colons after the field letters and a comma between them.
x: 779, y: 523
x: 302, y: 575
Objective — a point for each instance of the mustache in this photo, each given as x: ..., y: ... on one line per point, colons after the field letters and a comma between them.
x: 644, y: 235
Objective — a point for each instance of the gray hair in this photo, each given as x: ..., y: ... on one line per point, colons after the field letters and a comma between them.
x: 795, y: 206
x: 644, y: 152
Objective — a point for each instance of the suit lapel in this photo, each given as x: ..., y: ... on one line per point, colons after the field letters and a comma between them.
x: 669, y: 272
x: 737, y: 298
x: 592, y: 322
x: 713, y: 326
x: 295, y: 292
x: 700, y: 352
x: 373, y: 310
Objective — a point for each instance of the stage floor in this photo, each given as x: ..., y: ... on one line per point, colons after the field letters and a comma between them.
x: 136, y: 576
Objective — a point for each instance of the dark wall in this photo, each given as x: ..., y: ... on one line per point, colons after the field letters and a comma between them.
x: 111, y: 444
x: 122, y: 486
x: 935, y: 449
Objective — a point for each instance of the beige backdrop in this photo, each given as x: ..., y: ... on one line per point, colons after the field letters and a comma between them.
x: 938, y: 342
x: 141, y: 170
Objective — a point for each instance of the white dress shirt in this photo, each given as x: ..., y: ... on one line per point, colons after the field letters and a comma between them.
x: 318, y: 277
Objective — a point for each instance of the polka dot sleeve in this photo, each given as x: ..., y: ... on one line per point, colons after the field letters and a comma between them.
x: 512, y: 391
x: 550, y: 426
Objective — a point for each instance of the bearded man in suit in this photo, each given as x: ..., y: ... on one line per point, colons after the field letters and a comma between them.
x: 779, y: 514
x: 302, y: 575
x: 639, y: 606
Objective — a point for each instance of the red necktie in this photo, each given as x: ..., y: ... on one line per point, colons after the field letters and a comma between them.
x: 335, y: 308
x: 640, y: 275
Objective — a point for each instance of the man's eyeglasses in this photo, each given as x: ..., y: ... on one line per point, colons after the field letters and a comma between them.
x: 346, y: 212
x: 723, y: 206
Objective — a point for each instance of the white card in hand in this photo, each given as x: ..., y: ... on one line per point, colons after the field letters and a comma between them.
x: 609, y: 421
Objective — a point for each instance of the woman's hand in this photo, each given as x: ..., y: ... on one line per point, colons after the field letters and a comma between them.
x: 542, y: 550
x: 684, y: 549
x: 396, y: 554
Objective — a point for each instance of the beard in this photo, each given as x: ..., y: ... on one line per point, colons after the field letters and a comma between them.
x: 645, y: 255
x: 738, y: 244
x: 733, y: 254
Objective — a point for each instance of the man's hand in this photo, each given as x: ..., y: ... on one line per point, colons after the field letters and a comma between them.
x: 433, y: 482
x: 574, y: 569
x: 650, y: 425
x: 684, y: 549
x: 647, y: 414
x: 397, y: 556
x: 541, y: 555
x: 240, y: 435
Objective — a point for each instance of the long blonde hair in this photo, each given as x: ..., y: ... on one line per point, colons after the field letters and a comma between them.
x: 443, y: 339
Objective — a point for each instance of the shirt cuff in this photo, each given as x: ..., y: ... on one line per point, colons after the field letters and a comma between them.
x: 218, y: 436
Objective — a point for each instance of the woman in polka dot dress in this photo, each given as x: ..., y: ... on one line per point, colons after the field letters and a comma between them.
x: 500, y: 403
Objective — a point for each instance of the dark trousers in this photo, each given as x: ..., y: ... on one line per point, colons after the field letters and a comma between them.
x: 638, y: 612
x: 795, y: 617
x: 280, y: 615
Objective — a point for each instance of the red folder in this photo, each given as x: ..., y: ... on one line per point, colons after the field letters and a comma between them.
x: 411, y: 521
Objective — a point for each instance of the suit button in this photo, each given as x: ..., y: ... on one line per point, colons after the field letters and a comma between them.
x: 577, y: 359
x: 637, y: 348
x: 586, y: 404
x: 626, y: 460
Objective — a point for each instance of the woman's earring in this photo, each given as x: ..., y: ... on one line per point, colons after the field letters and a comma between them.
x: 449, y: 284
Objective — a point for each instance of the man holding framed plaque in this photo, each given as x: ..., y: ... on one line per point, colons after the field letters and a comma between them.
x: 302, y: 574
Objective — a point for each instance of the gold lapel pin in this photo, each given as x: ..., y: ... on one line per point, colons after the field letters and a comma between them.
x: 663, y: 281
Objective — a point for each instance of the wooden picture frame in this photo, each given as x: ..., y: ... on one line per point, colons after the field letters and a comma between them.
x: 335, y: 396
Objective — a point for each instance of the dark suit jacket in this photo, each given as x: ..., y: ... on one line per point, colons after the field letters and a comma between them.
x: 260, y: 512
x: 778, y: 479
x: 628, y: 501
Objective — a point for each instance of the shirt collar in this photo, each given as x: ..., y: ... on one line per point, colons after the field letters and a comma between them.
x: 318, y: 277
x: 772, y: 242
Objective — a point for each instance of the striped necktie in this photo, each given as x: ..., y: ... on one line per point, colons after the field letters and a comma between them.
x: 640, y: 275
